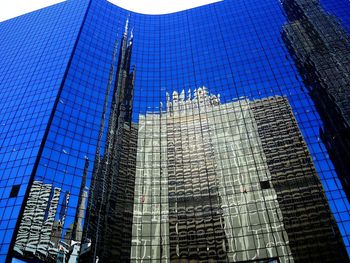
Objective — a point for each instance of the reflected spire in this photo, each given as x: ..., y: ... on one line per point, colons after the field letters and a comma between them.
x: 131, y: 38
x: 77, y: 225
x: 126, y: 28
x: 102, y: 204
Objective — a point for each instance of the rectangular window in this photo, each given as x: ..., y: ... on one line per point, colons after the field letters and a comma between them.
x: 265, y: 184
x: 14, y: 190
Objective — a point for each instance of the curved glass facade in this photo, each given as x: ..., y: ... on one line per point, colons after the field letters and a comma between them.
x: 206, y: 135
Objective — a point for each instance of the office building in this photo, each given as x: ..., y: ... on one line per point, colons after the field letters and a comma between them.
x: 72, y: 104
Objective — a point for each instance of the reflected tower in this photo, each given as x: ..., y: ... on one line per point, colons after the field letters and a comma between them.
x: 321, y: 50
x: 211, y: 178
x: 107, y: 225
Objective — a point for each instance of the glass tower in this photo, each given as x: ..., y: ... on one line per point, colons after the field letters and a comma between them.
x: 215, y: 134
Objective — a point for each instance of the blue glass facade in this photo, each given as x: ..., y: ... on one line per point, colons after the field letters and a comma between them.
x: 36, y: 49
x: 56, y: 67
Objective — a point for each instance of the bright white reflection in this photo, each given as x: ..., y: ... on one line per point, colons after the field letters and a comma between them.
x: 157, y: 7
x: 13, y: 8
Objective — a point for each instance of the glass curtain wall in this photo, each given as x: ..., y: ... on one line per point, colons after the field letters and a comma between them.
x: 197, y: 136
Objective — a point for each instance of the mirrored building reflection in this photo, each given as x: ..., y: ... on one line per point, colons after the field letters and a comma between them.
x: 108, y: 221
x: 38, y: 221
x: 231, y: 182
x: 321, y: 50
x: 41, y: 234
x: 113, y: 149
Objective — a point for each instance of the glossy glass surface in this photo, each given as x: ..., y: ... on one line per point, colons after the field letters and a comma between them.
x: 235, y: 49
x: 35, y: 50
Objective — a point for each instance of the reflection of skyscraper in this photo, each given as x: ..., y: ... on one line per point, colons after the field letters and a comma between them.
x: 40, y: 232
x: 64, y: 207
x: 53, y: 75
x: 58, y: 225
x: 71, y: 245
x: 312, y: 231
x: 209, y: 186
x: 77, y: 230
x: 322, y: 53
x: 109, y: 206
x: 195, y: 215
x: 35, y: 230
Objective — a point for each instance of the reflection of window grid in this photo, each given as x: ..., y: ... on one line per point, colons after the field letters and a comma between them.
x: 243, y: 162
